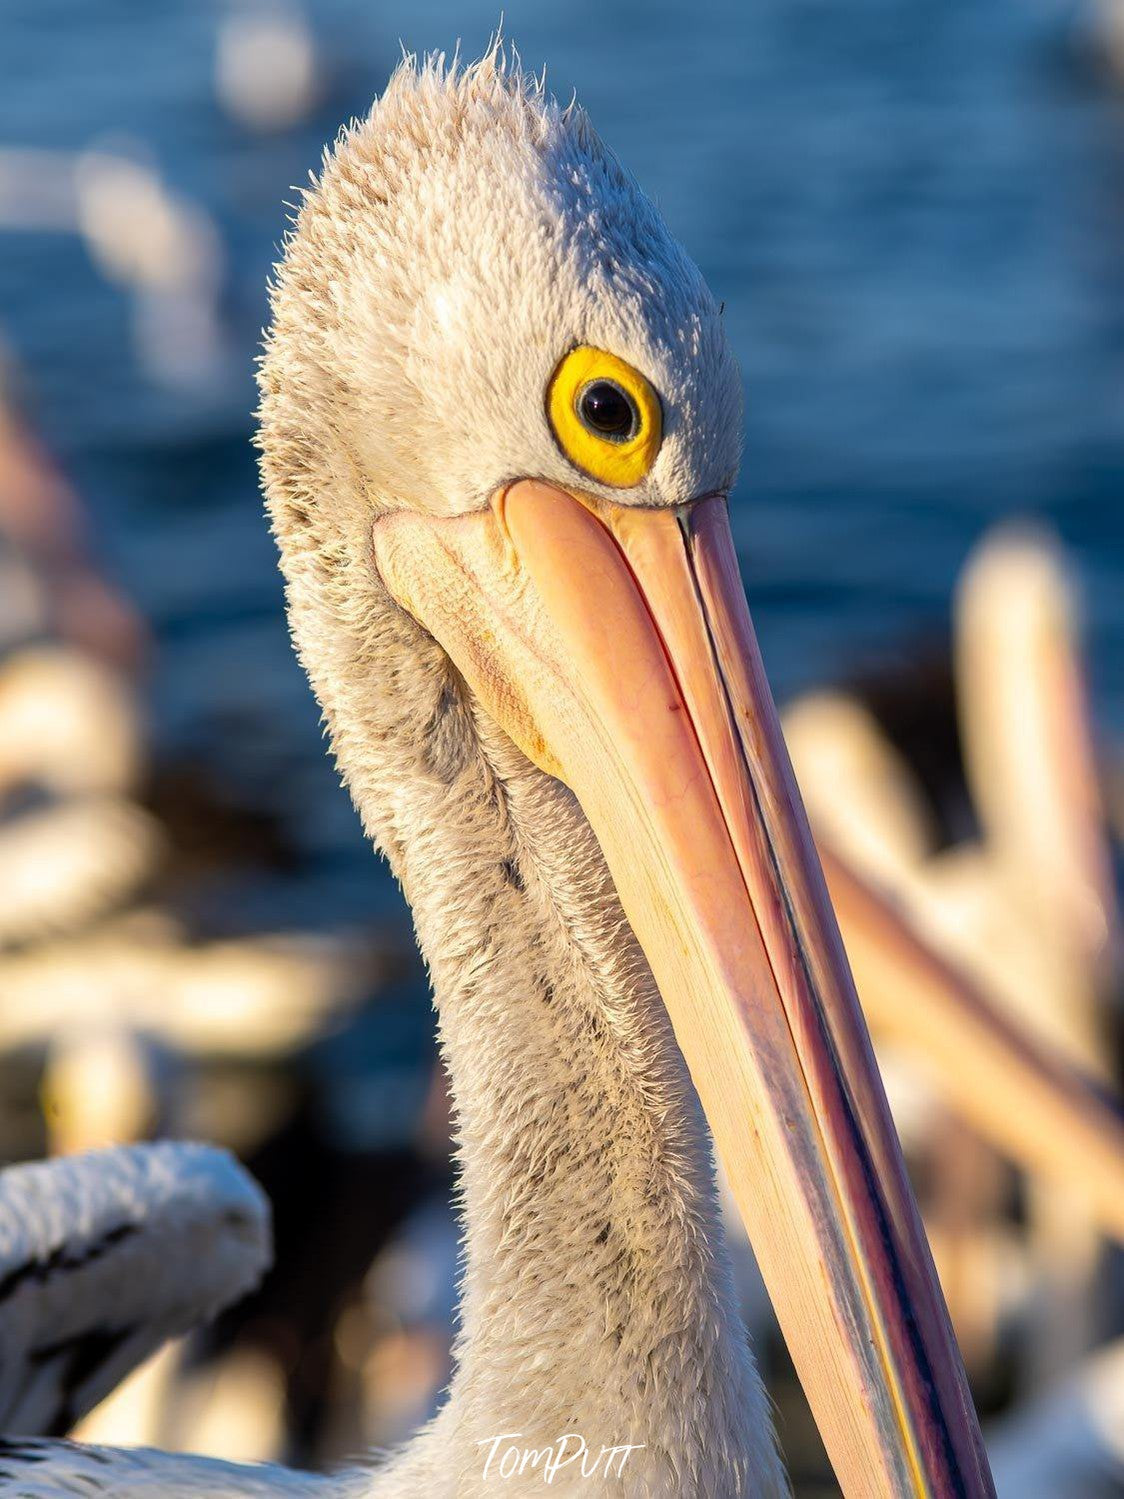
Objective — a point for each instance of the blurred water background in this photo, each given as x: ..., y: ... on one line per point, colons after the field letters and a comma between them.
x: 914, y: 216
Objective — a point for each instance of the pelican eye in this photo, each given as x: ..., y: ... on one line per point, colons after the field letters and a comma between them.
x: 608, y: 410
x: 606, y: 416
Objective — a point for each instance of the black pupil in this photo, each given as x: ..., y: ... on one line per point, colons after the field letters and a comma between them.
x: 606, y: 410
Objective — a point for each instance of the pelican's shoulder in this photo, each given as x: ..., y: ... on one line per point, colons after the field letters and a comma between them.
x: 41, y: 1469
x: 106, y: 1255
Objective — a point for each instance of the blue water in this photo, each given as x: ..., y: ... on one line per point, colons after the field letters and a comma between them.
x: 914, y: 214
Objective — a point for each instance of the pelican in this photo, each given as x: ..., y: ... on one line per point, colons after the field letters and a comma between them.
x: 499, y: 420
x: 1026, y: 913
x: 1029, y: 742
x: 1029, y: 907
x: 106, y: 1255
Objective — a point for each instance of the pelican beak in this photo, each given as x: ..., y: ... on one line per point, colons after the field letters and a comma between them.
x: 614, y: 645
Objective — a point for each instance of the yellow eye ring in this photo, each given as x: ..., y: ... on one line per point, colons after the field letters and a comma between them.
x: 605, y: 416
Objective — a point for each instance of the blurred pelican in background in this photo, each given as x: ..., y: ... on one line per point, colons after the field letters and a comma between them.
x: 71, y: 747
x: 266, y: 68
x: 162, y: 248
x: 1026, y: 911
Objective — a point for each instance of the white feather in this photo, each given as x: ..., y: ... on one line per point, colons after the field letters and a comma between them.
x: 55, y: 1470
x: 103, y: 1257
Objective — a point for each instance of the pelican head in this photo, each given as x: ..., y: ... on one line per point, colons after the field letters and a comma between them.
x: 463, y: 240
x: 500, y: 418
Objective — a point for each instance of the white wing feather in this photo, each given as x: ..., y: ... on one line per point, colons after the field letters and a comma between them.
x: 103, y: 1257
x: 61, y: 1470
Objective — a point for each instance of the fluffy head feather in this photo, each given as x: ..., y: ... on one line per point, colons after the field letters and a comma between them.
x: 459, y: 242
